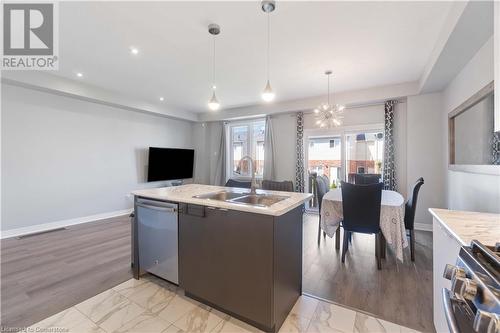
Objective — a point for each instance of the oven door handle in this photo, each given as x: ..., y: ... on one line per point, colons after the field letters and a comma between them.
x: 448, y: 311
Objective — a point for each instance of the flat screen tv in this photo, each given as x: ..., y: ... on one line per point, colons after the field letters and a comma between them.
x: 170, y: 164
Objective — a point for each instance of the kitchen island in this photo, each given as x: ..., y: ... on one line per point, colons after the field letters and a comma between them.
x: 239, y: 253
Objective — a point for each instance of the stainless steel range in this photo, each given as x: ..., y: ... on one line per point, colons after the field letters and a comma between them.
x: 472, y: 304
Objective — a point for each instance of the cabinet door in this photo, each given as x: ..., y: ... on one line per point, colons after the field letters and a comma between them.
x: 445, y: 251
x: 226, y: 258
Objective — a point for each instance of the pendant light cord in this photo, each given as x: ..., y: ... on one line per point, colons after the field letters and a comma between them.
x: 268, y: 42
x: 213, y: 83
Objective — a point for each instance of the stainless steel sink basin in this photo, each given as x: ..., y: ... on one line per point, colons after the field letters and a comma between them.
x: 260, y: 199
x: 221, y: 196
x: 263, y: 200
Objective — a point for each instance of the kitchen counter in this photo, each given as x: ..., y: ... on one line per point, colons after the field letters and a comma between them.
x: 451, y: 230
x: 186, y: 193
x: 466, y: 226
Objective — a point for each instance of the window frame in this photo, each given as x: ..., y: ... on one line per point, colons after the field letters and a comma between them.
x: 251, y: 146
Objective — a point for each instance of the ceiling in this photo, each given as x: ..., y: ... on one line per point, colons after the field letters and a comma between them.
x: 366, y: 44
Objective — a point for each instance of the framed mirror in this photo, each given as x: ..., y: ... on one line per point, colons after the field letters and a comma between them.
x: 473, y: 144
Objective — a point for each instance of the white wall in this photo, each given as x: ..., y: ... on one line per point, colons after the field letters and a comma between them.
x: 472, y: 78
x: 202, y: 170
x: 470, y: 191
x: 206, y: 140
x: 284, y: 139
x: 64, y: 158
x: 425, y: 153
x: 352, y: 117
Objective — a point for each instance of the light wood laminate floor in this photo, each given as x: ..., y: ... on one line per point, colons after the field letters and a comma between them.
x: 400, y: 292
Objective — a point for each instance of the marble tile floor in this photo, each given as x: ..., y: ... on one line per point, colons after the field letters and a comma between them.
x: 154, y: 305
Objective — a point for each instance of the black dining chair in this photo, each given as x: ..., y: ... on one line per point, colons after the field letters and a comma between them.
x: 238, y: 183
x: 410, y: 208
x: 366, y: 178
x: 361, y: 210
x: 285, y: 186
x: 321, y: 190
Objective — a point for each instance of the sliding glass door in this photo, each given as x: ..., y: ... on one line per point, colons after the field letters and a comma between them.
x: 324, y: 158
x: 340, y: 154
x: 364, y: 153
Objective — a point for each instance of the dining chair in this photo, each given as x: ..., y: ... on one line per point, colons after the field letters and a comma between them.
x: 238, y: 183
x: 366, y: 178
x: 410, y: 208
x: 361, y: 209
x: 286, y: 186
x: 320, y: 193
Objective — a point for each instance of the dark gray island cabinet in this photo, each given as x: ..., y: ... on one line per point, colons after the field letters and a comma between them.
x: 245, y: 260
x: 246, y: 264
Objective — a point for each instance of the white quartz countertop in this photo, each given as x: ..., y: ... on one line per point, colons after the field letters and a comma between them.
x: 186, y: 193
x: 466, y: 226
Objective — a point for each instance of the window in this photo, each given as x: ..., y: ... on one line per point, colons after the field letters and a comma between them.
x: 342, y: 153
x: 246, y: 138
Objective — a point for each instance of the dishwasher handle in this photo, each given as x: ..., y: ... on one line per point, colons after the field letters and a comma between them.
x: 158, y: 208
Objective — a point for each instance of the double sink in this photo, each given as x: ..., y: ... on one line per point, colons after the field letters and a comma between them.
x: 244, y: 198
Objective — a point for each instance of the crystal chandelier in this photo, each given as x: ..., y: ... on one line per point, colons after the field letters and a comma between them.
x: 328, y: 114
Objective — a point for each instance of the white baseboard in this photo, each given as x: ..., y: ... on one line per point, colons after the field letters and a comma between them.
x: 423, y: 226
x: 61, y: 224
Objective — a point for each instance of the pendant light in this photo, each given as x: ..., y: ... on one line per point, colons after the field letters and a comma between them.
x: 329, y: 114
x: 213, y: 103
x: 268, y: 6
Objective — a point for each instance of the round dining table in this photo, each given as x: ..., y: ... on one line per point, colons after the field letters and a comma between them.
x: 392, y: 212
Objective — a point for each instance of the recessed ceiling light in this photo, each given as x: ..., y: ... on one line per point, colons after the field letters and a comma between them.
x: 162, y: 99
x: 79, y: 74
x: 134, y: 50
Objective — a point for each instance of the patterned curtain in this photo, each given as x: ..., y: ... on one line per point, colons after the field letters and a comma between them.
x: 299, y: 147
x: 389, y: 166
x: 495, y: 149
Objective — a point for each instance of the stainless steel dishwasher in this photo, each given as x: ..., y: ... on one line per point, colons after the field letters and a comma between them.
x: 158, y: 238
